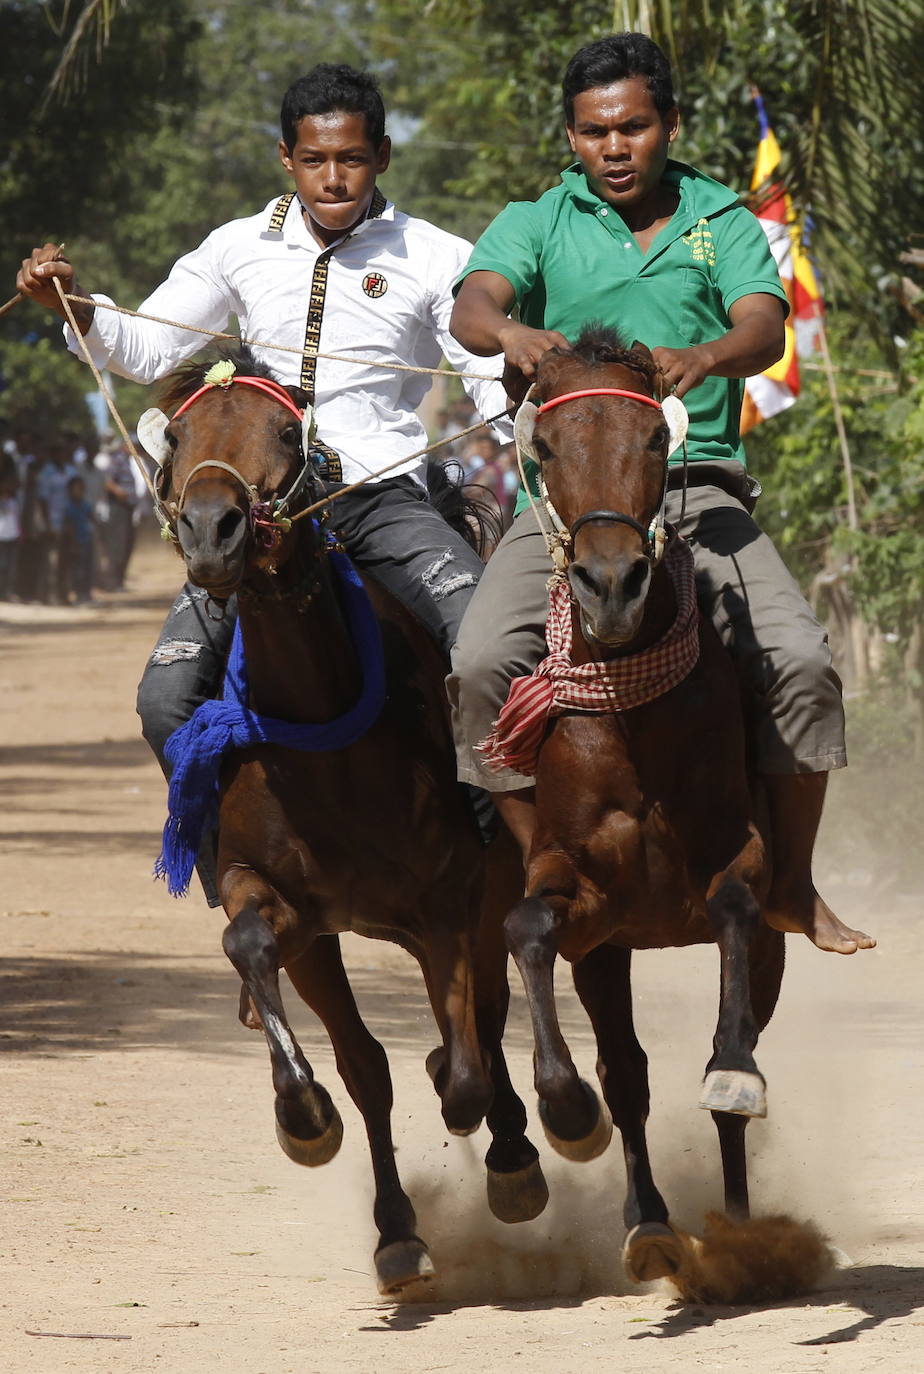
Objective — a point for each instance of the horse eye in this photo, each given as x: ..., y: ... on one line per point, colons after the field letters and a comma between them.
x: 660, y: 437
x: 292, y: 435
x: 543, y: 452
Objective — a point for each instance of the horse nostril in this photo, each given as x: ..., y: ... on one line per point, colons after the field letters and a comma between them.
x: 228, y: 525
x: 579, y: 573
x: 634, y: 581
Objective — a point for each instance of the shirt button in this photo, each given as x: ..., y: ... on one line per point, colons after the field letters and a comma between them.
x: 604, y: 211
x: 627, y: 245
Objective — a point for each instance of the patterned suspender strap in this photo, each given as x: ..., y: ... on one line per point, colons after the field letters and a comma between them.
x: 330, y: 467
x: 280, y: 210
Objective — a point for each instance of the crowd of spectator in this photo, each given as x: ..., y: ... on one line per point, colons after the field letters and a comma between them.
x: 69, y: 508
x: 68, y: 515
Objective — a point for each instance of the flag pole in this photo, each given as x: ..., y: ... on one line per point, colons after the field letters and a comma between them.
x: 847, y: 463
x: 859, y: 639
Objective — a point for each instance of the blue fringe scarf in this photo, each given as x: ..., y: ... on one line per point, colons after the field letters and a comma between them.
x: 196, y: 749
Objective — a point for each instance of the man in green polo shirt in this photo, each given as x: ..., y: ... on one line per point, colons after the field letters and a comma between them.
x: 666, y: 255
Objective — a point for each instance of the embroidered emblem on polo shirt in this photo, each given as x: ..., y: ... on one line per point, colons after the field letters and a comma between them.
x: 374, y: 285
x: 701, y: 243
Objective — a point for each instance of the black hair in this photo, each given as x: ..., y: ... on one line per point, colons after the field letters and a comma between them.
x: 615, y: 58
x: 598, y: 343
x: 333, y: 86
x: 186, y: 379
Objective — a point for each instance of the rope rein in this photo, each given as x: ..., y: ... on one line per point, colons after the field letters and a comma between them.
x: 165, y: 526
x: 260, y: 343
x: 163, y: 518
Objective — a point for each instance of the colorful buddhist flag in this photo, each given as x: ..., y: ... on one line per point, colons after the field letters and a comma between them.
x: 776, y: 389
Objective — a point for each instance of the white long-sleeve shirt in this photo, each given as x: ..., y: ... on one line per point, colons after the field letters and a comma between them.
x: 387, y: 298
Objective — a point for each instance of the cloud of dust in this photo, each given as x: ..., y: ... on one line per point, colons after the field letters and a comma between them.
x: 767, y: 1259
x: 571, y: 1251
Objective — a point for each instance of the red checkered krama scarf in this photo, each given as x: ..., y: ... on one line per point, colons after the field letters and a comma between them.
x: 557, y: 685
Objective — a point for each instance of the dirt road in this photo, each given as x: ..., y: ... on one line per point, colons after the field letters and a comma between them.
x: 145, y: 1197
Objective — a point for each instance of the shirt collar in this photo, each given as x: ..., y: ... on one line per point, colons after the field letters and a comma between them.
x: 700, y: 196
x: 295, y: 230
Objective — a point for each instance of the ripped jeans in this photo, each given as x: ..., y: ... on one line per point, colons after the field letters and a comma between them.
x: 391, y: 531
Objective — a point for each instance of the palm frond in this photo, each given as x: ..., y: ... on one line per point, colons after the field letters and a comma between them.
x: 94, y: 22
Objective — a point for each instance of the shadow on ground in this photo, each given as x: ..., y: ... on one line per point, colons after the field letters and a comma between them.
x: 867, y: 1295
x: 75, y: 1002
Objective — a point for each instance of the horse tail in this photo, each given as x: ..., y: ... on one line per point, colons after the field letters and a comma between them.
x: 473, y: 511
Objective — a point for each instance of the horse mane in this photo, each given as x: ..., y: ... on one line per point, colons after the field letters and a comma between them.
x: 598, y: 344
x: 186, y: 379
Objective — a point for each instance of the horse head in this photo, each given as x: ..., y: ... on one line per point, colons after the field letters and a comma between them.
x: 232, y: 468
x: 601, y: 441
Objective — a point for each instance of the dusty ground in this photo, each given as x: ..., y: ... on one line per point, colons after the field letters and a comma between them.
x: 145, y: 1197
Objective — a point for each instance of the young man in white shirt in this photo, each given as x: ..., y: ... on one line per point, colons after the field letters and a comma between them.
x: 331, y: 267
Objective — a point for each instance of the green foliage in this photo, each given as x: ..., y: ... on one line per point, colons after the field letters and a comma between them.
x: 797, y: 458
x: 44, y: 388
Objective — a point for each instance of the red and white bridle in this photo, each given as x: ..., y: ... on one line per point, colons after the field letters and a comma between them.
x: 562, y: 540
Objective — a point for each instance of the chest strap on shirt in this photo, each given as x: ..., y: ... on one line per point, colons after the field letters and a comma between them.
x: 280, y: 210
x: 327, y: 462
x: 326, y: 458
x: 316, y: 304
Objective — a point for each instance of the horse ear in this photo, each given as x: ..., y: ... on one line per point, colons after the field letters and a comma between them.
x: 678, y: 421
x: 151, y: 431
x: 309, y: 428
x: 523, y: 427
x: 639, y: 347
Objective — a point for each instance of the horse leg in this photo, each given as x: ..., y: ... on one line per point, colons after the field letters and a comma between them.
x: 767, y: 956
x: 318, y: 975
x: 457, y: 1068
x: 308, y: 1125
x: 602, y: 979
x: 517, y: 1190
x: 732, y: 1081
x: 573, y: 1120
x: 247, y: 1012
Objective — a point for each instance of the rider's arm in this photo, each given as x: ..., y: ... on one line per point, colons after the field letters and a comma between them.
x: 502, y: 272
x: 195, y: 292
x: 754, y: 342
x: 35, y: 281
x: 480, y: 321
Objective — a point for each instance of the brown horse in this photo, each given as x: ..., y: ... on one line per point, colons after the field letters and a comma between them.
x: 645, y: 834
x: 372, y: 837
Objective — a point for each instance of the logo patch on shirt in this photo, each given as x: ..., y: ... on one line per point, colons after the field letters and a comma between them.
x: 701, y: 243
x: 374, y: 285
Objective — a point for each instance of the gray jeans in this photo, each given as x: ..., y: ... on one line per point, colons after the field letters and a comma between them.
x: 391, y: 531
x: 790, y: 691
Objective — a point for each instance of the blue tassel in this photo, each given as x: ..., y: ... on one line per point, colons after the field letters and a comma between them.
x: 197, y: 748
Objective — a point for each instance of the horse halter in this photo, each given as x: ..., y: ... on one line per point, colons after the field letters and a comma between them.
x: 267, y: 521
x: 652, y: 537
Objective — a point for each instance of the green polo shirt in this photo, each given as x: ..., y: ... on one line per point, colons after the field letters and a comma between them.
x: 572, y: 261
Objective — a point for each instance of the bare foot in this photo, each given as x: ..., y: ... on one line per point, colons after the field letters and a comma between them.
x: 819, y: 924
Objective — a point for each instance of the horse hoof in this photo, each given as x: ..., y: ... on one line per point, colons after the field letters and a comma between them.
x: 652, y: 1251
x: 316, y: 1152
x: 402, y: 1263
x: 521, y: 1196
x: 589, y: 1146
x: 732, y: 1090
